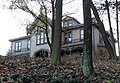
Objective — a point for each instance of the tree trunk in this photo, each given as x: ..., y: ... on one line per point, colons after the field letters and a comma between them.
x: 53, y: 21
x: 103, y: 32
x: 56, y: 48
x: 88, y: 69
x: 117, y: 27
x: 111, y: 32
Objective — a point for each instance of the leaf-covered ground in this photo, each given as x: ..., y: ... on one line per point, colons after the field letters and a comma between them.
x: 23, y: 69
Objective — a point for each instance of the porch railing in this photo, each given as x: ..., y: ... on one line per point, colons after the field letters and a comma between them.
x: 22, y: 51
x: 72, y: 41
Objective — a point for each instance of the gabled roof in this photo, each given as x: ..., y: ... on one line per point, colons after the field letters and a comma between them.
x: 37, y: 22
x: 70, y: 18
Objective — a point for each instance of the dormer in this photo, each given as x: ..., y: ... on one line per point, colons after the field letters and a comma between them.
x: 70, y: 22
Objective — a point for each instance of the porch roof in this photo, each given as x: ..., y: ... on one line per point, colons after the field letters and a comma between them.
x: 19, y: 38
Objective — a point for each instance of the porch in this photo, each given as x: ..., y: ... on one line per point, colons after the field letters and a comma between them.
x: 23, y: 51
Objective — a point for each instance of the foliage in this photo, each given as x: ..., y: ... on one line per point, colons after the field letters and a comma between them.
x: 29, y: 70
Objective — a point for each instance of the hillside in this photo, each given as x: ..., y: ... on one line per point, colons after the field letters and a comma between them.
x: 38, y: 70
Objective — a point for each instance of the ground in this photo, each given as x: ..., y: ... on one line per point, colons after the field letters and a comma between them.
x: 38, y: 70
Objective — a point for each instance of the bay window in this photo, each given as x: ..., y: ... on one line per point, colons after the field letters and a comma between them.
x: 41, y: 38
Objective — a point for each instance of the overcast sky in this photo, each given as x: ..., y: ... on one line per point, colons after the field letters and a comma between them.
x: 11, y: 26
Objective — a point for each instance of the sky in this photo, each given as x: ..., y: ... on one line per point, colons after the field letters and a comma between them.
x: 12, y: 25
x: 9, y: 29
x: 13, y: 22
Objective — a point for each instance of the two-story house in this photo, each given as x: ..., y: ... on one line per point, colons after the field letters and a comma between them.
x: 72, y: 40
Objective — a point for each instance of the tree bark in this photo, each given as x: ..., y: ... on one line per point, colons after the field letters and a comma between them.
x: 103, y: 32
x: 53, y: 21
x: 56, y: 48
x: 87, y: 69
x: 111, y: 32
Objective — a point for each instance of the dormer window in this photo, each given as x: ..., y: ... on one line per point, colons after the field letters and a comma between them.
x: 70, y: 23
x: 65, y: 24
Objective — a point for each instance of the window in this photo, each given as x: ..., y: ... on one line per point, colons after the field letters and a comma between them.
x: 41, y: 38
x: 65, y: 24
x: 38, y: 39
x: 70, y: 23
x: 45, y: 38
x: 68, y: 37
x: 18, y: 46
x: 28, y: 44
x: 81, y: 34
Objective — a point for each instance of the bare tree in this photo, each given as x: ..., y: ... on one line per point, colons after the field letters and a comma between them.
x: 56, y: 49
x: 113, y: 9
x: 87, y: 69
x: 111, y: 31
x: 103, y: 32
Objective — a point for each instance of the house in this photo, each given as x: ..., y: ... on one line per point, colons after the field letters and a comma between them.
x: 72, y: 40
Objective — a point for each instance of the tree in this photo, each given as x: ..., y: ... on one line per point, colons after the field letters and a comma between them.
x: 113, y: 6
x: 103, y: 32
x: 87, y: 69
x: 56, y: 49
x: 111, y: 32
x: 117, y: 27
